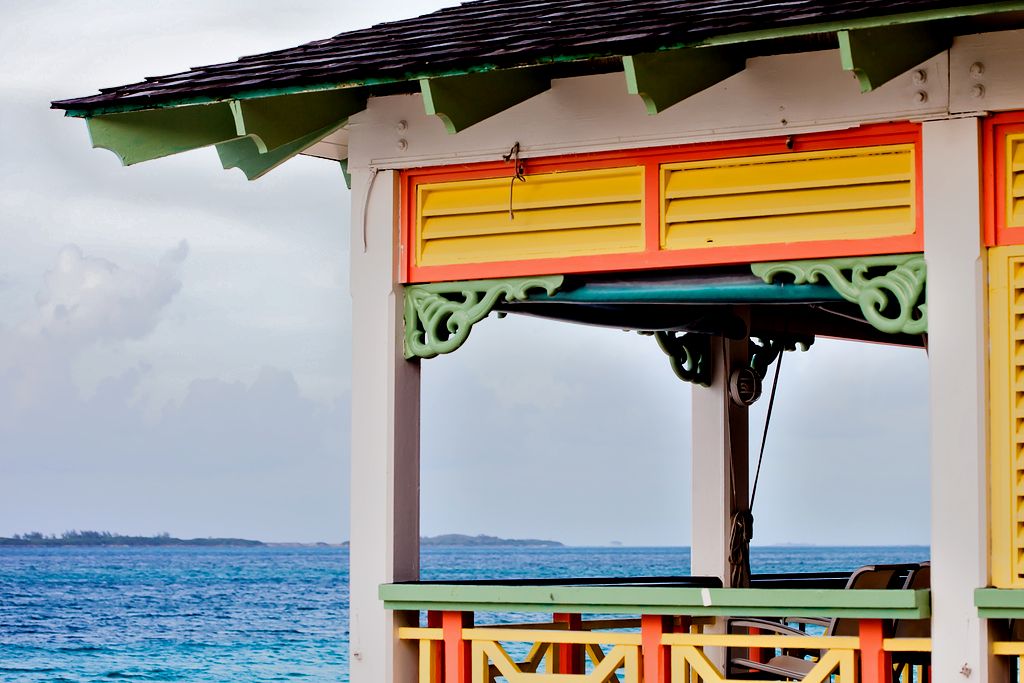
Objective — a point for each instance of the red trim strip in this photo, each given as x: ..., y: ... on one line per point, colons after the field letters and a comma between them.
x: 993, y: 178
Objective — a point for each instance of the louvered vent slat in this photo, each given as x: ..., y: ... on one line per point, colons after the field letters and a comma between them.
x: 574, y: 213
x: 857, y: 193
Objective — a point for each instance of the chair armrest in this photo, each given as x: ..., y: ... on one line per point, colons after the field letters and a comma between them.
x: 765, y: 625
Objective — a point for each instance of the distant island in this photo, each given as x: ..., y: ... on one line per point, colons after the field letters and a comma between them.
x: 462, y: 540
x: 482, y: 540
x: 105, y: 538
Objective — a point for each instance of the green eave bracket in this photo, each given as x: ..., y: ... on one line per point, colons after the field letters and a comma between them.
x: 154, y: 133
x: 439, y: 317
x: 999, y: 603
x: 752, y: 602
x: 462, y: 101
x: 245, y: 155
x: 254, y: 135
x: 877, y: 55
x: 663, y: 79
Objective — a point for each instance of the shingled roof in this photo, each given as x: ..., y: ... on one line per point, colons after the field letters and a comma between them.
x: 493, y: 34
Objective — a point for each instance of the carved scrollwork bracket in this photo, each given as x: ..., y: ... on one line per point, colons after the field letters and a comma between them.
x: 690, y: 354
x: 439, y: 317
x: 889, y: 289
x: 764, y: 350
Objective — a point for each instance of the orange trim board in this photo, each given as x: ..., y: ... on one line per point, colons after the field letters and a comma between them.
x: 628, y: 234
x: 995, y: 133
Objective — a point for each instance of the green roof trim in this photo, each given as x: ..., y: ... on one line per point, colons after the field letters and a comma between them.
x: 726, y: 39
x: 765, y: 602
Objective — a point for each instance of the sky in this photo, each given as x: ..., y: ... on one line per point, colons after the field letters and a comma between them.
x: 175, y: 344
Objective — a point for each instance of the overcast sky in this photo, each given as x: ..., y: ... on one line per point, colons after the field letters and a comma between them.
x: 175, y: 344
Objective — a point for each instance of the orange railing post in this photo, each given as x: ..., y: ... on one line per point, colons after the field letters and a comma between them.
x: 655, y: 656
x: 457, y: 651
x: 875, y: 662
x: 569, y: 657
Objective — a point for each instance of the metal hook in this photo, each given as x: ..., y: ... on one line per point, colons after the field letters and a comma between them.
x: 520, y: 170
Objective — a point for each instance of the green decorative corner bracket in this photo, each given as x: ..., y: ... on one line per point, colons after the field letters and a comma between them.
x: 890, y: 290
x: 765, y: 350
x: 440, y: 316
x: 690, y: 355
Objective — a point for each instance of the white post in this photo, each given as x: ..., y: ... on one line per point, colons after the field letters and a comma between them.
x: 719, y: 455
x: 956, y: 358
x: 719, y: 458
x: 385, y: 439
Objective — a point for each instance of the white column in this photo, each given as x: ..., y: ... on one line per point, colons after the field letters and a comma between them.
x: 719, y: 457
x: 385, y: 439
x: 956, y: 358
x: 719, y: 438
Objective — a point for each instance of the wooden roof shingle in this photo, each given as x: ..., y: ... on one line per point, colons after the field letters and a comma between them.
x: 488, y: 34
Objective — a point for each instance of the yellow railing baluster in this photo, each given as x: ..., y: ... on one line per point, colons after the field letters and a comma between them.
x: 615, y: 657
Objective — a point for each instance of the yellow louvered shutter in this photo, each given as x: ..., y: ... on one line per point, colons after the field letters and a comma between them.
x: 857, y: 193
x: 1015, y: 181
x: 1006, y: 365
x: 575, y: 213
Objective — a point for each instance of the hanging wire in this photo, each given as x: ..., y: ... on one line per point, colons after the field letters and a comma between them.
x: 520, y: 171
x: 767, y: 421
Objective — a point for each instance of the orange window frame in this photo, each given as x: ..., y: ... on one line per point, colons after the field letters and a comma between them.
x: 994, y: 132
x: 653, y: 257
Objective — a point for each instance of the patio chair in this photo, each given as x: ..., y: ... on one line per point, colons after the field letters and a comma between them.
x: 795, y: 666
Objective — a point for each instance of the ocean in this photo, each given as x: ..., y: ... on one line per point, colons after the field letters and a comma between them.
x: 76, y: 615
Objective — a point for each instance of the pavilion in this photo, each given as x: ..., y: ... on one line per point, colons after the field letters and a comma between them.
x: 733, y: 177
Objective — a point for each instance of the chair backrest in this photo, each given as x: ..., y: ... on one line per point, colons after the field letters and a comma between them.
x: 920, y: 579
x: 871, y: 577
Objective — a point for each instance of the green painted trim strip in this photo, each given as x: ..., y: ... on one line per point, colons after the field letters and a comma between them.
x: 755, y: 292
x: 883, y: 604
x: 726, y: 39
x: 999, y: 603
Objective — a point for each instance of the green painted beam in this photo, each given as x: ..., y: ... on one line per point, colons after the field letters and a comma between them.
x: 663, y: 79
x: 864, y: 604
x: 462, y: 101
x: 144, y: 135
x: 999, y: 603
x: 273, y: 122
x: 245, y: 154
x: 878, y: 55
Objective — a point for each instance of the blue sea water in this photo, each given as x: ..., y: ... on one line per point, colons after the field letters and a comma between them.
x: 264, y: 614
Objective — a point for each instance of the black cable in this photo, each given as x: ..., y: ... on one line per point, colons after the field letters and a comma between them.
x: 767, y: 421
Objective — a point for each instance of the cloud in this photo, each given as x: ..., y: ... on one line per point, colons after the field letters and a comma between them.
x: 86, y: 299
x: 253, y: 459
